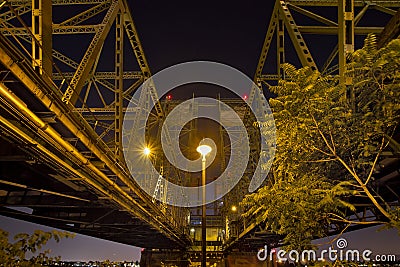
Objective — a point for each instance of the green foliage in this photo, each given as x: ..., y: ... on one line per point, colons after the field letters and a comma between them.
x: 14, y: 254
x: 297, y: 208
x: 328, y: 144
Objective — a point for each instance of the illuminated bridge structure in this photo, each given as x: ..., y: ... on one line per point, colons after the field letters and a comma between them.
x: 62, y: 107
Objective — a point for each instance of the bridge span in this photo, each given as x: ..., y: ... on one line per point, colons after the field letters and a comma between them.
x: 62, y: 110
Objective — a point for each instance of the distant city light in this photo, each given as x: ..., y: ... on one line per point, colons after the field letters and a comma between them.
x: 192, y: 230
x: 234, y: 208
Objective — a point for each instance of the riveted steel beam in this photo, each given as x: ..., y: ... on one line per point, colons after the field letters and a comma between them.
x: 42, y: 32
x: 20, y: 10
x: 57, y: 29
x: 87, y: 14
x: 346, y: 36
x: 102, y: 75
x: 334, y: 3
x: 280, y: 44
x: 267, y: 41
x: 312, y: 15
x: 334, y: 52
x: 119, y: 86
x: 57, y: 2
x: 332, y: 30
x: 297, y: 39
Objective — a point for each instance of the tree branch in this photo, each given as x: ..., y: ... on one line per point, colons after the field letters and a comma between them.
x: 323, y: 152
x: 319, y: 161
x: 342, y: 219
x: 323, y: 136
x: 365, y: 189
x: 375, y: 161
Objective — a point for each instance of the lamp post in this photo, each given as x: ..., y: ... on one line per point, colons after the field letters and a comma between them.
x: 203, y: 150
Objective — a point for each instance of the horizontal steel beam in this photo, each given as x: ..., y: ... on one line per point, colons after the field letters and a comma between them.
x: 58, y: 2
x: 269, y: 77
x: 312, y: 15
x: 332, y: 30
x: 334, y: 3
x: 57, y: 29
x: 42, y: 190
x: 101, y: 75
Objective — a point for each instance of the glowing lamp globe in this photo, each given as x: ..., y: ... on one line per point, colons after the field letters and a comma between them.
x: 146, y: 151
x: 203, y: 149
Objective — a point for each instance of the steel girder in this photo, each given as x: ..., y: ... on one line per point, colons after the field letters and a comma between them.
x: 334, y: 3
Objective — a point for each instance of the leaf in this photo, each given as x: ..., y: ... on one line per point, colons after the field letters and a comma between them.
x: 325, y: 147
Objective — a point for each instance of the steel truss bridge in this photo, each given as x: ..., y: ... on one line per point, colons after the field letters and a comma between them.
x: 61, y: 113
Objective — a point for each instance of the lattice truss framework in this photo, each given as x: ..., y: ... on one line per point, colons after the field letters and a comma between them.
x: 316, y: 25
x: 95, y: 84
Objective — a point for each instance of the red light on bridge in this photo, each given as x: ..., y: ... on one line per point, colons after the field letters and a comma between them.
x: 168, y: 97
x: 245, y: 97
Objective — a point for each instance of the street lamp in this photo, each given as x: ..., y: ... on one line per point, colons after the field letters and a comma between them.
x: 193, y: 231
x: 146, y: 151
x: 203, y: 150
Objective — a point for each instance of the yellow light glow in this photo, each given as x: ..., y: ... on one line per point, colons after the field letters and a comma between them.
x: 234, y: 208
x: 146, y: 151
x: 203, y: 149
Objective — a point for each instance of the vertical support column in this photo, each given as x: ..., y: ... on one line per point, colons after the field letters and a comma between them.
x: 221, y: 148
x: 42, y: 31
x: 345, y: 42
x: 280, y: 44
x: 119, y: 84
x: 203, y: 215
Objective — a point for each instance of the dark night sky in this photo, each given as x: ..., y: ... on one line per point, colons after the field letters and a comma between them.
x: 226, y: 32
x: 229, y: 32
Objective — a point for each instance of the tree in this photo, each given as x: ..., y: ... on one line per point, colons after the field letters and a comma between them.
x: 14, y: 254
x: 328, y: 146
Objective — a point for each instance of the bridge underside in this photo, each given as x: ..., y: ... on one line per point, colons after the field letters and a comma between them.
x: 35, y: 188
x: 43, y: 181
x: 60, y: 161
